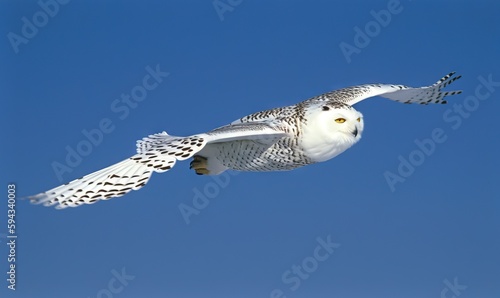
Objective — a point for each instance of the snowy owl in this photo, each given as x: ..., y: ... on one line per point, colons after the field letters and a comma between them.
x: 312, y: 131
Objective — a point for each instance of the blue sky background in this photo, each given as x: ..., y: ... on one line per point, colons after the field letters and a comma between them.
x: 440, y: 224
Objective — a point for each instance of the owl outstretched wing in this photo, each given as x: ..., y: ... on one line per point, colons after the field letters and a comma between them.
x: 155, y: 153
x: 421, y: 95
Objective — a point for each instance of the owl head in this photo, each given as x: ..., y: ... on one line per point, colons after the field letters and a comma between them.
x: 331, y: 128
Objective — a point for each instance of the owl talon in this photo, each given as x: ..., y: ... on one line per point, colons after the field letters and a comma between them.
x: 199, y: 164
x: 202, y: 172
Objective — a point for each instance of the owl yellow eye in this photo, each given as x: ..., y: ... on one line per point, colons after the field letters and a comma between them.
x: 359, y: 119
x: 340, y: 120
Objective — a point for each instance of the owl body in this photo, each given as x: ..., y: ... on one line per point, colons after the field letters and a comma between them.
x: 323, y: 132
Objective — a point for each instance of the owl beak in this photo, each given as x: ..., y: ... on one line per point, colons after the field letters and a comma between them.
x: 355, y: 132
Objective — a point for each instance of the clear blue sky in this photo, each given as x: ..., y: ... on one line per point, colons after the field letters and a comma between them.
x: 438, y: 227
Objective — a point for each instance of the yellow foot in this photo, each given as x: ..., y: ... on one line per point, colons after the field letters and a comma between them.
x: 199, y: 164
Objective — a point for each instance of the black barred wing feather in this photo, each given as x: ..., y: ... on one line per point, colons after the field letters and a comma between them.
x: 269, y: 115
x: 156, y: 153
x: 164, y: 145
x: 422, y: 95
x: 110, y: 182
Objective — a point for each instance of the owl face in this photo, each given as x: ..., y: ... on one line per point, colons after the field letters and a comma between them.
x: 343, y: 122
x: 336, y: 128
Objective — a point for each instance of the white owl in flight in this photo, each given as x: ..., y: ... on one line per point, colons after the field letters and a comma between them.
x: 279, y: 139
